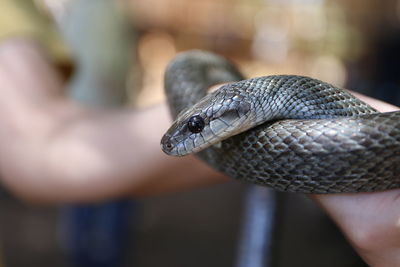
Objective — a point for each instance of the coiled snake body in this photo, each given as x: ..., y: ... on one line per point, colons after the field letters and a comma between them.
x: 291, y: 133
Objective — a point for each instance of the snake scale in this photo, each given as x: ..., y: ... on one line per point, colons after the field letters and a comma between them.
x: 291, y: 133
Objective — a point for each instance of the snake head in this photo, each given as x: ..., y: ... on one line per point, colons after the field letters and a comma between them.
x: 216, y: 117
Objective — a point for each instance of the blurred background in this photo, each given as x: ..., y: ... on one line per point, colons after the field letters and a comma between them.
x: 350, y: 43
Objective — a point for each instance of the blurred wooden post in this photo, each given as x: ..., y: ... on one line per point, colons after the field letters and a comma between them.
x: 101, y: 45
x: 258, y: 240
x: 100, y: 41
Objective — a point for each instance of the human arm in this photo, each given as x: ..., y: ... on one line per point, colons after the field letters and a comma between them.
x: 54, y: 150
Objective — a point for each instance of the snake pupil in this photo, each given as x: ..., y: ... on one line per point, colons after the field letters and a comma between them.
x: 195, y: 124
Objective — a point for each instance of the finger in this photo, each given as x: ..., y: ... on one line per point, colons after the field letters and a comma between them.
x: 375, y: 103
x: 371, y: 221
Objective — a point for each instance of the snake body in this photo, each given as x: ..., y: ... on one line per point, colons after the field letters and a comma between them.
x: 291, y: 133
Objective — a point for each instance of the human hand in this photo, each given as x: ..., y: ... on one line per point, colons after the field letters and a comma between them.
x: 54, y: 150
x: 371, y: 221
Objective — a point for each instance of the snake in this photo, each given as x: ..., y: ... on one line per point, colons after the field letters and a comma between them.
x: 288, y: 132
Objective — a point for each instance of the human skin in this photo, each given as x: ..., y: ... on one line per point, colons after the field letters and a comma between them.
x: 54, y: 150
x: 371, y: 221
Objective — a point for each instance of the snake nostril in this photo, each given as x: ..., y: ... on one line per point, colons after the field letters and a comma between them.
x: 168, y: 146
x: 166, y: 143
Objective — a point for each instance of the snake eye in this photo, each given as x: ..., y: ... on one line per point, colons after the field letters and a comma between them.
x: 195, y: 124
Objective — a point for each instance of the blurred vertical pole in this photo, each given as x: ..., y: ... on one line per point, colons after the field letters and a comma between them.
x: 258, y: 242
x: 100, y: 42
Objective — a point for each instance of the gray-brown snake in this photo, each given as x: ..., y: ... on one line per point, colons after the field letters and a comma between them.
x: 291, y: 133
